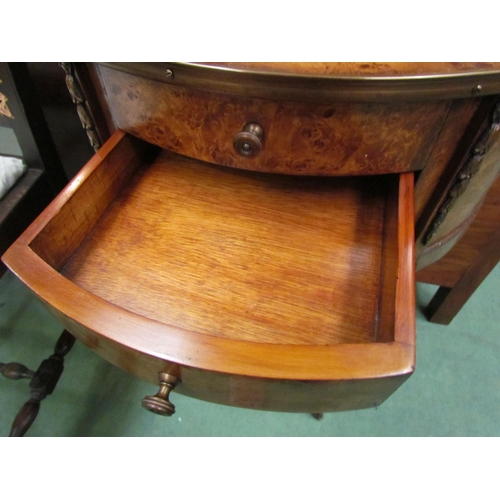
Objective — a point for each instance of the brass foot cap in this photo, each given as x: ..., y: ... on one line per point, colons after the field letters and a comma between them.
x: 158, y: 406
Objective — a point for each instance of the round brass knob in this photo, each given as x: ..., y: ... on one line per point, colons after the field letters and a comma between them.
x: 159, y: 403
x: 248, y: 143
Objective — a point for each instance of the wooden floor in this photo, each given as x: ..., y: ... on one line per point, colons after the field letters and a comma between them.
x: 235, y: 254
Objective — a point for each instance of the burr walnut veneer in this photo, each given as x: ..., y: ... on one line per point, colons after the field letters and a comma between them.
x: 441, y: 120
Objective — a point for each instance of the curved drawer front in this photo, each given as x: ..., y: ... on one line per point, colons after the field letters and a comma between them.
x: 299, y: 138
x: 257, y: 290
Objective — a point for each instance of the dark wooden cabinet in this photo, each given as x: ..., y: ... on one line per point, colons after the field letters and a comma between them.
x: 45, y: 176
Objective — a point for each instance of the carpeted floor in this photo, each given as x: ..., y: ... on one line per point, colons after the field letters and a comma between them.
x: 455, y: 390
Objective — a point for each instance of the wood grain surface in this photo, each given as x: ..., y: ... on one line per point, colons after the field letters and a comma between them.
x: 257, y: 257
x: 361, y: 68
x: 252, y: 375
x: 446, y: 157
x: 299, y: 138
x: 447, y: 302
x: 318, y: 241
x: 448, y: 270
x: 465, y: 193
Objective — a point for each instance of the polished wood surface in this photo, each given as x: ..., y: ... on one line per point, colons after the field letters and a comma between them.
x: 327, y: 82
x: 465, y: 119
x: 86, y: 201
x: 478, y: 168
x: 468, y: 263
x: 254, y: 257
x: 450, y: 268
x: 300, y: 138
x: 447, y: 302
x: 254, y: 287
x: 434, y: 137
x: 361, y: 68
x: 296, y: 356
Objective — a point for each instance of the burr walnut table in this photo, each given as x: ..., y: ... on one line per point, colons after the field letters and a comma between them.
x: 246, y: 234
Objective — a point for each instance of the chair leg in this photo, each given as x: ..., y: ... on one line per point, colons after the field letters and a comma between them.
x: 43, y: 383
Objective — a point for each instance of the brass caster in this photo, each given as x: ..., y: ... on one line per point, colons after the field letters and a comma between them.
x: 159, y: 403
x: 317, y: 416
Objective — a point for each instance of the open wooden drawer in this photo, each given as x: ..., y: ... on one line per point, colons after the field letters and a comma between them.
x: 255, y: 290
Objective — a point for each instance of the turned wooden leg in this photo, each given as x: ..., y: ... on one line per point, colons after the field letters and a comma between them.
x: 43, y: 383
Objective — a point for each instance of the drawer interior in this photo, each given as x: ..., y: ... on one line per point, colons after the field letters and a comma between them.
x: 240, y: 255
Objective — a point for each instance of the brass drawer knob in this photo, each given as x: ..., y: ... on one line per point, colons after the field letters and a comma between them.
x: 159, y: 403
x: 248, y: 143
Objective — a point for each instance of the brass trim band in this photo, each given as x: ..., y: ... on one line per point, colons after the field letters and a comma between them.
x: 317, y: 88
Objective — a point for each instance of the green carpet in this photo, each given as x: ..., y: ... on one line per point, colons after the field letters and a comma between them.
x: 455, y: 390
